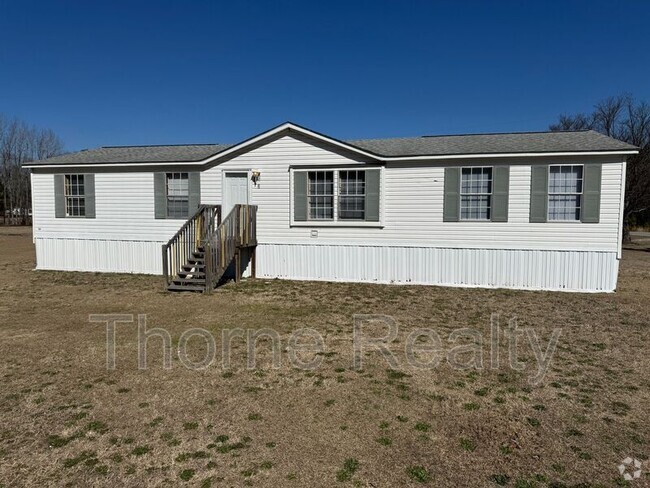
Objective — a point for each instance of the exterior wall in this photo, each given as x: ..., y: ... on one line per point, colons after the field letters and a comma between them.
x: 411, y: 245
x: 412, y: 205
x: 488, y: 268
x: 123, y: 237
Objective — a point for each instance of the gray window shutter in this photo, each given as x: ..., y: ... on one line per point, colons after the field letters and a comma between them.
x: 160, y: 195
x: 538, y: 193
x: 300, y: 196
x: 194, y: 182
x: 500, y: 187
x: 451, y: 210
x: 89, y: 193
x: 590, y: 205
x: 373, y: 183
x: 59, y: 196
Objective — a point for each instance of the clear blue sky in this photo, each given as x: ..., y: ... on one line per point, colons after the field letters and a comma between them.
x: 136, y: 72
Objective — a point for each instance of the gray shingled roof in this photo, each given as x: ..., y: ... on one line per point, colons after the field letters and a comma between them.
x: 518, y: 142
x: 139, y: 154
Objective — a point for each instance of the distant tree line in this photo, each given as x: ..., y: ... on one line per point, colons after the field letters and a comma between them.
x: 625, y: 119
x: 19, y: 144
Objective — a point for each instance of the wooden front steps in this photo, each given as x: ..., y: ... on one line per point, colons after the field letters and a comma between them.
x: 191, y: 277
x: 200, y: 253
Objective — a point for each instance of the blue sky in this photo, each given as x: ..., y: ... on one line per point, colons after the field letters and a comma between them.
x: 136, y: 72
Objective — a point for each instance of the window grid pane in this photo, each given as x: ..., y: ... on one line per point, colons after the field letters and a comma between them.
x: 75, y: 201
x: 178, y: 195
x: 321, y: 195
x: 476, y: 193
x: 352, y: 195
x: 564, y: 192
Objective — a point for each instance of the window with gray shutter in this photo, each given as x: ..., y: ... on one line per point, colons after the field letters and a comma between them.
x: 160, y: 195
x: 59, y: 196
x: 337, y: 195
x: 373, y: 189
x: 538, y: 193
x: 194, y: 179
x: 592, y: 175
x: 451, y: 204
x: 74, y: 195
x: 90, y: 195
x: 300, y: 196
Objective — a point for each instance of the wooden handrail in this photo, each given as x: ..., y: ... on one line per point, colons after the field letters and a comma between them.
x: 238, y: 229
x: 188, y: 238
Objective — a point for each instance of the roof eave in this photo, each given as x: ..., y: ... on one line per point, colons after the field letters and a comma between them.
x: 289, y: 126
x: 378, y: 158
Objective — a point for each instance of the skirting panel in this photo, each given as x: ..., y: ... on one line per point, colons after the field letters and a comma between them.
x: 99, y: 255
x: 586, y: 271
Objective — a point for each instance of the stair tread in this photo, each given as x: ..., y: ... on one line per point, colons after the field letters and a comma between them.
x: 174, y: 287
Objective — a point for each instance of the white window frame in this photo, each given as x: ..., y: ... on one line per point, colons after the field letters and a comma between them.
x: 167, y: 196
x: 462, y: 194
x: 81, y: 197
x: 333, y: 196
x: 336, y: 222
x: 549, y: 194
x: 351, y: 195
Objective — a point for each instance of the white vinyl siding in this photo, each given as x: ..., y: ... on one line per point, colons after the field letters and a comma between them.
x: 124, y: 210
x: 412, y: 204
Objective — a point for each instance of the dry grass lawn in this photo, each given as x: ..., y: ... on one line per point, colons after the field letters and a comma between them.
x: 67, y: 420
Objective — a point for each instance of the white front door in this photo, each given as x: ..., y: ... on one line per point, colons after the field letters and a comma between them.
x: 235, y: 190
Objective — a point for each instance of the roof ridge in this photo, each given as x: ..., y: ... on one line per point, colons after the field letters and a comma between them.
x: 476, y: 134
x: 509, y: 133
x: 163, y: 145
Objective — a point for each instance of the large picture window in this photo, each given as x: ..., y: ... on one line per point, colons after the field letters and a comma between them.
x: 75, y: 196
x: 178, y: 195
x: 339, y: 197
x: 352, y: 195
x: 564, y: 192
x: 476, y: 193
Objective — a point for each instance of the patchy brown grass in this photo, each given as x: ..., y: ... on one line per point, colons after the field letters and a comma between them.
x: 67, y: 420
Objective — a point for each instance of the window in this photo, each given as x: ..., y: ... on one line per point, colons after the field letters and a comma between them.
x: 344, y: 197
x: 564, y: 192
x: 178, y: 195
x: 321, y: 195
x: 75, y: 196
x: 475, y: 193
x: 352, y: 195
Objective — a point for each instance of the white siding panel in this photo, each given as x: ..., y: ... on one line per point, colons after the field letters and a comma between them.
x: 489, y: 268
x: 412, y: 205
x: 124, y: 205
x: 99, y: 255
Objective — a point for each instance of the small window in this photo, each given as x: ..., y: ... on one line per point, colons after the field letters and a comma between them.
x: 75, y: 196
x: 352, y: 195
x: 321, y: 195
x: 564, y: 192
x: 178, y: 195
x: 476, y: 193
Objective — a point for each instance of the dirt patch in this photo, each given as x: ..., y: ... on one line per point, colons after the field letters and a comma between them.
x: 66, y: 419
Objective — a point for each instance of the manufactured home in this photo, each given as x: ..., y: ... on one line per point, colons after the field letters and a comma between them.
x: 534, y: 210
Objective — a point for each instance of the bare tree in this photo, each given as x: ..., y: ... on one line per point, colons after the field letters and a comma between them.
x: 624, y: 119
x: 20, y: 143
